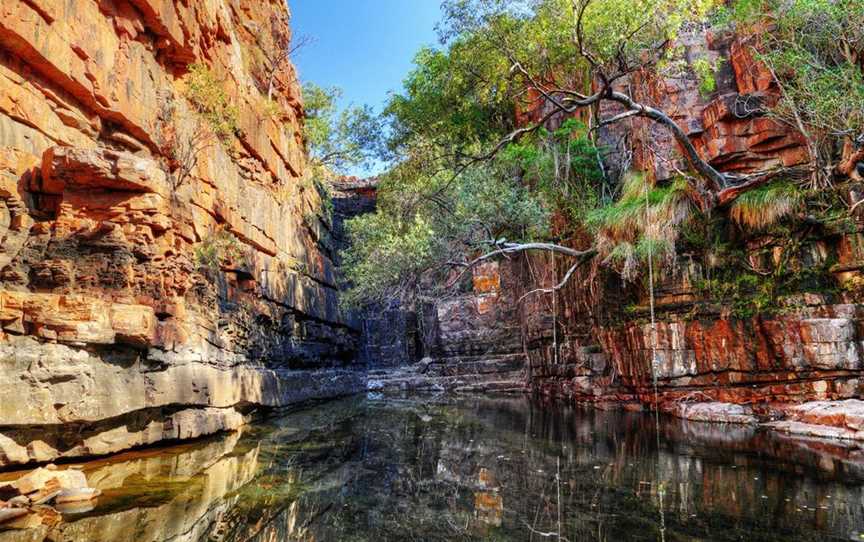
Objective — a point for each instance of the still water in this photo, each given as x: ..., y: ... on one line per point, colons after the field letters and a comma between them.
x: 428, y: 469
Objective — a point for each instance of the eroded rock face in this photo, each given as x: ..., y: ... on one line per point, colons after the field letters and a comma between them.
x: 728, y: 126
x: 108, y: 311
x: 706, y: 364
x: 696, y: 353
x: 76, y: 403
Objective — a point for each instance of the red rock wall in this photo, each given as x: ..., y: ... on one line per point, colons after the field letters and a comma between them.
x: 100, y: 231
x: 599, y: 352
x: 728, y: 126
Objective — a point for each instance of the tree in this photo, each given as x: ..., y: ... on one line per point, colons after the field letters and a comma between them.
x: 815, y: 51
x: 561, y: 59
x: 278, y: 52
x: 602, y: 42
x: 338, y: 140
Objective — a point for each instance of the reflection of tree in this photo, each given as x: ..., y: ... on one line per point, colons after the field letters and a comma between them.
x: 485, y: 469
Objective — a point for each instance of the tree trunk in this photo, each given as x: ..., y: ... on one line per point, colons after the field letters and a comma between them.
x: 851, y: 158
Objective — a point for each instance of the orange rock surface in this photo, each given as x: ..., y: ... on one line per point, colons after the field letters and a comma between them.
x: 102, y: 231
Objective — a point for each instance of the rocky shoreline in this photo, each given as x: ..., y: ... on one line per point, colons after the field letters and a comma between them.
x: 159, y: 281
x: 81, y: 404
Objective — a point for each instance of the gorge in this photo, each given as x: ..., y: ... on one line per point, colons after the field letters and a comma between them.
x: 114, y: 328
x: 177, y: 266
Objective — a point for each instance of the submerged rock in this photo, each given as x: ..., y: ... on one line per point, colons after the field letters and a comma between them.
x: 714, y: 412
x: 38, y: 490
x: 50, y: 476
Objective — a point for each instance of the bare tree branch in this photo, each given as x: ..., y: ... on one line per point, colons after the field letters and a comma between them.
x: 513, y: 248
x: 616, y: 118
x: 558, y: 286
x: 717, y: 180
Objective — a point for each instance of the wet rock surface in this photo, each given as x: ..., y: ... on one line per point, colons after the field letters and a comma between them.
x: 482, y: 374
x: 40, y: 496
x: 156, y: 495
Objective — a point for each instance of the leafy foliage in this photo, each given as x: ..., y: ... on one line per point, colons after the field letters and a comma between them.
x: 218, y: 247
x: 540, y: 34
x: 337, y: 139
x: 748, y: 294
x: 705, y: 73
x: 423, y: 222
x: 210, y: 100
x: 438, y: 205
x: 563, y: 169
x: 817, y: 49
x: 449, y: 197
x: 454, y: 100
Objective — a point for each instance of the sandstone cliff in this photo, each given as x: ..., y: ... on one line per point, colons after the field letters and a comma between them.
x: 807, y: 349
x: 736, y: 361
x: 161, y: 268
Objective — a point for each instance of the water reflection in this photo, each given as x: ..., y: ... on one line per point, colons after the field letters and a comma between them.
x: 473, y: 469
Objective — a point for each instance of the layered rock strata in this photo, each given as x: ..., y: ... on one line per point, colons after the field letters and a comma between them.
x: 161, y: 276
x: 471, y: 342
x: 710, y: 364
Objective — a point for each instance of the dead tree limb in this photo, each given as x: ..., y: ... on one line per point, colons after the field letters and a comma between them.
x: 558, y: 286
x: 513, y: 248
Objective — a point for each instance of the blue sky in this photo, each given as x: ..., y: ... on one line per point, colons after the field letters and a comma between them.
x: 365, y: 47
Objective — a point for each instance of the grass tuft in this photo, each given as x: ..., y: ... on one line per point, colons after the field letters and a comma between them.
x: 645, y: 222
x: 762, y: 207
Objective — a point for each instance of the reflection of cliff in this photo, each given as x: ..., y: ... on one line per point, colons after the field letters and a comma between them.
x: 471, y: 469
x: 483, y: 468
x: 736, y: 475
x: 156, y: 496
x: 496, y: 462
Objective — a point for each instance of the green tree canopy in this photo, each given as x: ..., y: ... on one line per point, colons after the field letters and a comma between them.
x: 472, y: 174
x: 338, y: 140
